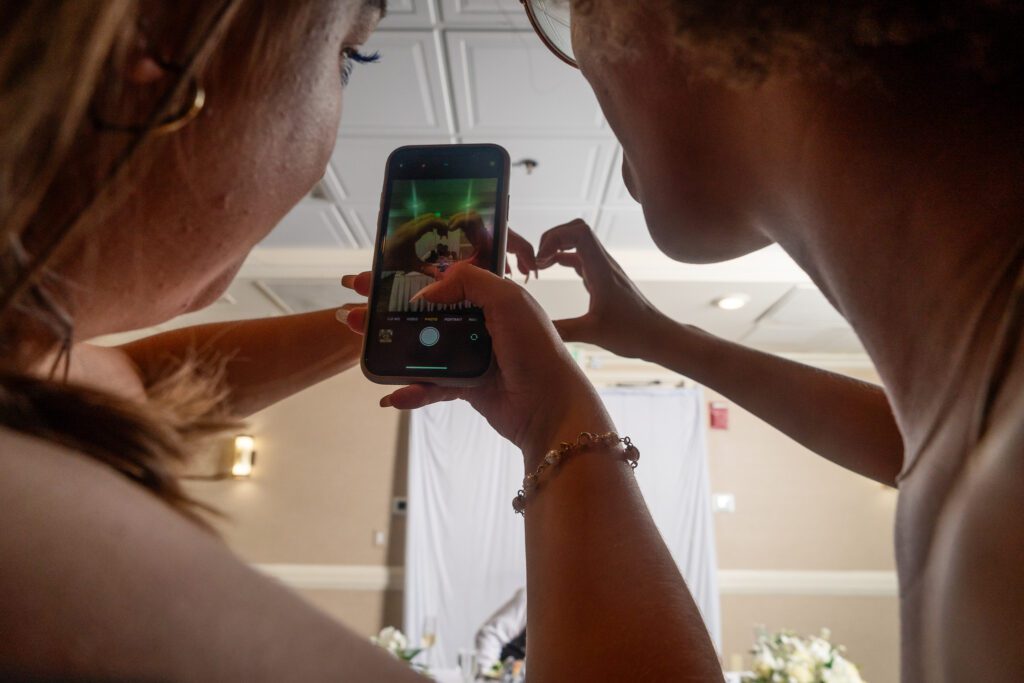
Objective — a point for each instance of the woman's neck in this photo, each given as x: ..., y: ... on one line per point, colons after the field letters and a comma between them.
x: 916, y: 250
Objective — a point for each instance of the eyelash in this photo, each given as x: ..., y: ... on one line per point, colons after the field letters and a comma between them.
x: 351, y: 56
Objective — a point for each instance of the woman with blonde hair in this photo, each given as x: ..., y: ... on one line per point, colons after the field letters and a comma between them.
x: 146, y: 147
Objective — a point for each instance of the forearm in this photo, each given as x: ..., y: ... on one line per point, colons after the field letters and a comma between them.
x: 840, y: 418
x: 607, y: 602
x: 267, y: 359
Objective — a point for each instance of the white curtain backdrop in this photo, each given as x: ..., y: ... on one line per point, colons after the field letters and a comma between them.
x: 465, y: 547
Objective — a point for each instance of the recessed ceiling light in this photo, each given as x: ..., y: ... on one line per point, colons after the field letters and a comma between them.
x: 732, y: 302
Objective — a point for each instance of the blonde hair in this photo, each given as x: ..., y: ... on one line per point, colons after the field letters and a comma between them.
x: 53, y: 58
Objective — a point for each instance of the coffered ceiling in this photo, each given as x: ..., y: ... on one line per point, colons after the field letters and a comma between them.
x: 473, y: 71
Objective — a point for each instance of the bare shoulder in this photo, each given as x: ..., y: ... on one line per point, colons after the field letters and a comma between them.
x: 102, y: 580
x: 975, y: 587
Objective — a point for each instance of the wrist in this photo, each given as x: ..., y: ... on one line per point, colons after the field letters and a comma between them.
x: 564, y: 421
x: 670, y: 341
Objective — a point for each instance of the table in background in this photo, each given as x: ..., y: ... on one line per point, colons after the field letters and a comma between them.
x: 453, y: 676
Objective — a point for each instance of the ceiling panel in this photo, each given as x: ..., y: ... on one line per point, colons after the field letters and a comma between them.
x: 532, y: 222
x: 312, y: 223
x: 692, y: 303
x: 409, y: 14
x: 569, y: 171
x: 686, y: 302
x: 484, y: 13
x: 411, y: 99
x: 301, y: 296
x: 804, y: 305
x: 776, y: 339
x: 617, y: 194
x: 804, y: 321
x: 620, y: 229
x: 363, y: 219
x: 509, y: 83
x: 244, y: 301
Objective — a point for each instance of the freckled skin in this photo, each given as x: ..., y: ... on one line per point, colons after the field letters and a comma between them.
x: 218, y: 186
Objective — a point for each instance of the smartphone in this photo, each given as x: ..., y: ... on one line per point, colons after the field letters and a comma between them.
x: 441, y: 204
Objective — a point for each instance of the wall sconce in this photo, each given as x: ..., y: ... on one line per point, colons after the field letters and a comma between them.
x: 245, y: 456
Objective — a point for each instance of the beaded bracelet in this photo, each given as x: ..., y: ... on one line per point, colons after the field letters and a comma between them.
x: 584, y: 442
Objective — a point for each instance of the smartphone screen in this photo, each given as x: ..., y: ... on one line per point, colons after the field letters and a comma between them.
x: 441, y: 205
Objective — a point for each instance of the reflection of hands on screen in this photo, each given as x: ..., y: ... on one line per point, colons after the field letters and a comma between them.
x: 400, y: 246
x: 482, y: 240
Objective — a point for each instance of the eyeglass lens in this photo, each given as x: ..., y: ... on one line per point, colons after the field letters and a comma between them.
x: 551, y: 18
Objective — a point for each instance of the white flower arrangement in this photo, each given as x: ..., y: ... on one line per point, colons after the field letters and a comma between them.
x: 785, y: 657
x: 395, y: 642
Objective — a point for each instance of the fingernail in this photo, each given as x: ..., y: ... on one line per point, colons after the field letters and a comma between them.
x: 386, y: 401
x: 348, y: 281
x: 341, y: 315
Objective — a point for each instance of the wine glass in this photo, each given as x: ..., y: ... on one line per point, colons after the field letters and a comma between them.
x: 428, y: 636
x: 468, y: 665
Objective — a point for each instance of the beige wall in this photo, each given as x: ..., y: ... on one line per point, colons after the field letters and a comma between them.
x: 324, y: 477
x: 329, y: 462
x: 796, y: 511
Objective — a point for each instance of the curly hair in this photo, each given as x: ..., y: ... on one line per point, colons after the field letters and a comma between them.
x: 745, y: 41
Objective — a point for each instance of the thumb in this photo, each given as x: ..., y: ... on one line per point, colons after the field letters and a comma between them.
x: 573, y: 329
x: 465, y: 282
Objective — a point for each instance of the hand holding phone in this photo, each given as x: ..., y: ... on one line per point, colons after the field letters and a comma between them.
x: 538, y: 396
x: 441, y: 205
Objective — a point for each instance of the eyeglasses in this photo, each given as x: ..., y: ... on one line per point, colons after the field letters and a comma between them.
x: 550, y: 19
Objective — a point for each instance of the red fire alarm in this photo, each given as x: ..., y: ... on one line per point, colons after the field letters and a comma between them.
x: 719, y: 411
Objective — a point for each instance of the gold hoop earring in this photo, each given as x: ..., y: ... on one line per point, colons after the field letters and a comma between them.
x: 169, y: 125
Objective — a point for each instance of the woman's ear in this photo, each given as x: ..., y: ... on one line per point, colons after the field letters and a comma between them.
x: 142, y: 64
x: 143, y: 69
x: 136, y: 79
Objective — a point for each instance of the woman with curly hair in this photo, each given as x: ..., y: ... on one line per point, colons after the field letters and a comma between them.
x: 879, y: 143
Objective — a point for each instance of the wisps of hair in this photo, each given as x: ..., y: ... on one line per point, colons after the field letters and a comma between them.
x: 144, y: 442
